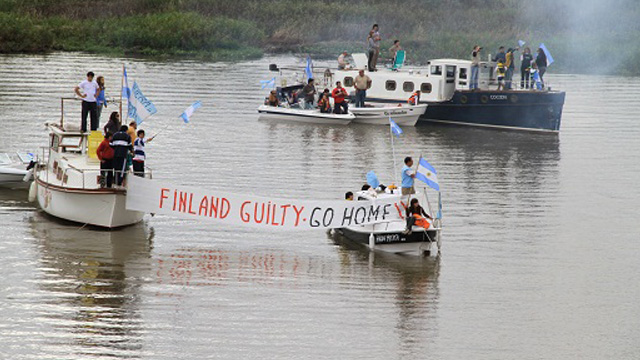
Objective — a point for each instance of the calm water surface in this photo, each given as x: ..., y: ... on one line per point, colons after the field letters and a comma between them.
x: 539, y: 261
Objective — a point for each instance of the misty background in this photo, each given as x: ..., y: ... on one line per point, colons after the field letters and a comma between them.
x: 589, y: 36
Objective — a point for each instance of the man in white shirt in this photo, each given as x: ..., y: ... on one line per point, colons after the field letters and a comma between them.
x: 89, y: 106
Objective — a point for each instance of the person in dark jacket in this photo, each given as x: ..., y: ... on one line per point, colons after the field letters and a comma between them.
x: 500, y: 55
x: 121, y: 143
x: 416, y: 216
x: 113, y: 125
x: 541, y: 63
x: 525, y: 68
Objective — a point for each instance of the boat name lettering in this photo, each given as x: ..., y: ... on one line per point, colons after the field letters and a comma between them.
x: 498, y: 97
x: 388, y: 238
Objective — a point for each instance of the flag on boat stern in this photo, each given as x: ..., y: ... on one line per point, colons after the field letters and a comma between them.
x: 547, y: 53
x: 309, y: 69
x: 372, y: 179
x: 186, y: 115
x: 140, y: 107
x: 268, y: 83
x: 395, y: 128
x: 427, y: 174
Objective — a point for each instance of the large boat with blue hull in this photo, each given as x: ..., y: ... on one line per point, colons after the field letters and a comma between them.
x: 445, y: 86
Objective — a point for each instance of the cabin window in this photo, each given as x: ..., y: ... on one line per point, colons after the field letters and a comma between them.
x: 436, y: 70
x: 408, y: 86
x: 390, y: 85
x: 425, y: 88
x: 348, y: 81
x: 451, y: 71
x: 463, y: 73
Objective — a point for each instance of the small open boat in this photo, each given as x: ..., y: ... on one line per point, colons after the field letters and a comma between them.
x: 14, y: 169
x: 302, y: 115
x: 404, y: 115
x: 391, y: 236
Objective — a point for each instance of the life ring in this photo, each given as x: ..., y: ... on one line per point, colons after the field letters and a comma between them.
x: 484, y: 99
x: 513, y: 98
x: 464, y: 99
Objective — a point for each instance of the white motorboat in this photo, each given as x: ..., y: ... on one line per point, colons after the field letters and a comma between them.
x: 14, y: 169
x: 302, y: 115
x: 390, y: 236
x: 67, y: 182
x: 402, y: 114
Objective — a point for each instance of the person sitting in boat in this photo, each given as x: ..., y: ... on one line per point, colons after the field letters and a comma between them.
x: 393, y: 50
x: 348, y: 196
x: 273, y: 99
x: 324, y: 103
x: 416, y: 216
x: 501, y: 71
x: 339, y: 94
x: 309, y: 92
x: 342, y: 61
x: 415, y: 98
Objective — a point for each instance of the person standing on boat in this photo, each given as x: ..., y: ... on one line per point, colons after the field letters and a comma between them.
x: 407, y: 177
x: 113, y: 125
x: 416, y: 216
x: 105, y: 155
x: 342, y: 61
x: 101, y: 101
x: 373, y: 45
x: 475, y: 67
x: 121, y: 143
x: 541, y: 63
x: 340, y: 106
x: 139, y: 155
x: 525, y: 68
x: 500, y: 55
x: 309, y: 92
x: 501, y: 71
x: 362, y: 83
x: 510, y: 65
x: 89, y: 91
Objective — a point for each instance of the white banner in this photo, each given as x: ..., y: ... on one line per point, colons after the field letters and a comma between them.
x: 152, y: 196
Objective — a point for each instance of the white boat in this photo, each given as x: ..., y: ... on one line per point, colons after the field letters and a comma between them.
x: 390, y: 236
x: 67, y: 183
x: 303, y: 115
x: 402, y: 114
x: 14, y: 170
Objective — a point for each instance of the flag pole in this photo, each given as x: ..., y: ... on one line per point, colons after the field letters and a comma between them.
x: 393, y: 150
x: 121, y: 88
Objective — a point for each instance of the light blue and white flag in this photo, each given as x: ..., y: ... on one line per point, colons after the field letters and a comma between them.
x: 395, y: 128
x: 186, y: 115
x: 547, y: 53
x: 309, y: 69
x: 521, y: 43
x: 140, y: 108
x: 126, y: 90
x: 427, y: 174
x: 268, y: 83
x: 372, y: 179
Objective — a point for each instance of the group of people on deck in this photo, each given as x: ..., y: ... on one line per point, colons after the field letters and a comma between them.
x: 531, y: 69
x: 415, y: 214
x: 122, y: 146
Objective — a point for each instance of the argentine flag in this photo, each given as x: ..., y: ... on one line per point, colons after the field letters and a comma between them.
x: 268, y: 83
x: 186, y: 115
x: 427, y: 174
x: 547, y: 53
x: 309, y: 69
x: 395, y: 129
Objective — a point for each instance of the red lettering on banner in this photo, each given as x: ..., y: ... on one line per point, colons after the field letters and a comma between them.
x: 273, y: 216
x: 214, y: 207
x: 245, y: 217
x: 204, y: 205
x: 175, y: 199
x: 298, y: 212
x: 266, y: 221
x: 255, y: 213
x: 224, y: 206
x: 162, y: 196
x: 284, y: 213
x: 182, y: 205
x: 191, y: 203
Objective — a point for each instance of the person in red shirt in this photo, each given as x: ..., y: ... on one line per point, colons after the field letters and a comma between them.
x: 340, y: 105
x: 105, y: 155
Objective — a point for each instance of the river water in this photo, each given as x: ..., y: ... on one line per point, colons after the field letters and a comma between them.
x: 540, y: 246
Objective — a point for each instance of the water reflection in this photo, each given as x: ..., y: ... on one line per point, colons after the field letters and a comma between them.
x: 93, y: 279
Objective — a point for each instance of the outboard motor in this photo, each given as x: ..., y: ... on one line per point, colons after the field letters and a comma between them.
x: 273, y: 67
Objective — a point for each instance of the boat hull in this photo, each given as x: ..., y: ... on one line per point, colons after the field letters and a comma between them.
x: 417, y: 243
x: 520, y: 110
x: 102, y: 207
x: 303, y: 116
x: 402, y: 115
x: 13, y: 179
